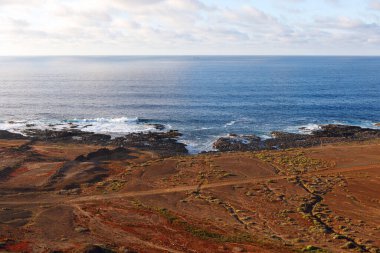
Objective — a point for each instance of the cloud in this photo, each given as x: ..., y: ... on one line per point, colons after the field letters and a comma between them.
x: 19, y: 22
x: 181, y: 27
x: 20, y: 2
x: 375, y: 5
x: 332, y: 1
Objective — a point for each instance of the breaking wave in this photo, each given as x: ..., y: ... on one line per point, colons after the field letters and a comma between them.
x: 112, y: 126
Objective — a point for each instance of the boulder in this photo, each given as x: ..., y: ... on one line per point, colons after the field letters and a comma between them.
x: 353, y: 132
x: 10, y: 136
x: 164, y: 143
x: 104, y: 154
x: 97, y: 249
x: 235, y: 142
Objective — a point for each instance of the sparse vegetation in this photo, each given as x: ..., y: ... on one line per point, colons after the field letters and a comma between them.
x: 202, y: 233
x: 292, y: 162
x: 314, y: 249
x: 251, y: 207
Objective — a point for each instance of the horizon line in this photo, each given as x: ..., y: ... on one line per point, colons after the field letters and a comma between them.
x: 194, y: 55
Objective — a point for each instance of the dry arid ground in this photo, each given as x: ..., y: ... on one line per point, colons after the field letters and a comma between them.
x: 60, y: 197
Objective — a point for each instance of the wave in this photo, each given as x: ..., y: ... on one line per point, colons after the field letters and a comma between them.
x: 203, y: 128
x: 113, y: 126
x: 239, y: 121
x: 309, y: 128
x: 198, y: 139
x: 362, y: 123
x: 104, y: 120
x: 231, y: 123
x: 265, y: 136
x: 195, y: 146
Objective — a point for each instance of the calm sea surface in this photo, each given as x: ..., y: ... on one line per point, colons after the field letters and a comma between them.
x: 203, y: 97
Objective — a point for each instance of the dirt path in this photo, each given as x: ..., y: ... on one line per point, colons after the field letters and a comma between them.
x: 190, y: 188
x: 212, y: 185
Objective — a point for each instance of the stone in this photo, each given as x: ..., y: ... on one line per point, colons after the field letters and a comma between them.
x: 96, y: 249
x: 10, y: 136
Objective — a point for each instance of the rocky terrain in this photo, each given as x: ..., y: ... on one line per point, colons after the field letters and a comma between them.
x: 164, y: 143
x: 72, y: 191
x: 283, y: 140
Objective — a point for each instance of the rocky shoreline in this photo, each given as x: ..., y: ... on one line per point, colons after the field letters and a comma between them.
x: 163, y: 143
x: 282, y: 140
x: 167, y: 144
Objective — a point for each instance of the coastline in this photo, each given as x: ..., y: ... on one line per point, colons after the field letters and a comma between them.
x: 143, y: 192
x: 114, y: 128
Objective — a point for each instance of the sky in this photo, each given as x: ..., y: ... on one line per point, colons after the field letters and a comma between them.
x: 189, y: 27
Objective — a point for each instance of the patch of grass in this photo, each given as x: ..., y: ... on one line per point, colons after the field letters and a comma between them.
x: 292, y: 162
x: 314, y: 249
x: 349, y: 245
x: 115, y: 185
x: 169, y: 216
x: 137, y: 203
x: 226, y: 175
x: 201, y: 233
x: 338, y: 237
x: 250, y: 193
x: 110, y: 185
x: 239, y: 238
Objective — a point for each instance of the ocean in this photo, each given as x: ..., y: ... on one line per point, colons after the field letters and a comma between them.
x: 204, y: 97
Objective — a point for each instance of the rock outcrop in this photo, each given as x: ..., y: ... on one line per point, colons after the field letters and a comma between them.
x: 235, y: 142
x: 164, y: 143
x: 6, y: 135
x: 282, y: 140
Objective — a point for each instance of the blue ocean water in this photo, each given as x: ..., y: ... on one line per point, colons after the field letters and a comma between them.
x: 203, y: 97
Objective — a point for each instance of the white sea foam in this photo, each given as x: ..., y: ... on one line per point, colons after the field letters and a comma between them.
x: 303, y: 129
x: 104, y: 120
x: 362, y: 123
x: 231, y: 123
x: 112, y: 126
x: 203, y: 128
x: 239, y: 121
x: 309, y: 128
x: 198, y: 145
x: 124, y: 125
x: 265, y: 137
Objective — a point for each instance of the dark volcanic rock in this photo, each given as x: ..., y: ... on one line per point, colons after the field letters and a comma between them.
x: 101, y: 153
x: 283, y: 140
x: 158, y: 126
x: 39, y: 134
x: 105, y: 154
x: 235, y: 142
x: 346, y: 131
x: 288, y: 136
x: 11, y: 136
x: 95, y: 138
x: 96, y: 249
x: 68, y: 135
x: 164, y: 143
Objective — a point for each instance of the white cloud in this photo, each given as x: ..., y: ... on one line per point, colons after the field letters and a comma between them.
x: 375, y: 5
x: 178, y: 27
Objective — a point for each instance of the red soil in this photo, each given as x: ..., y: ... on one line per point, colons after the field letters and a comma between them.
x: 272, y: 201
